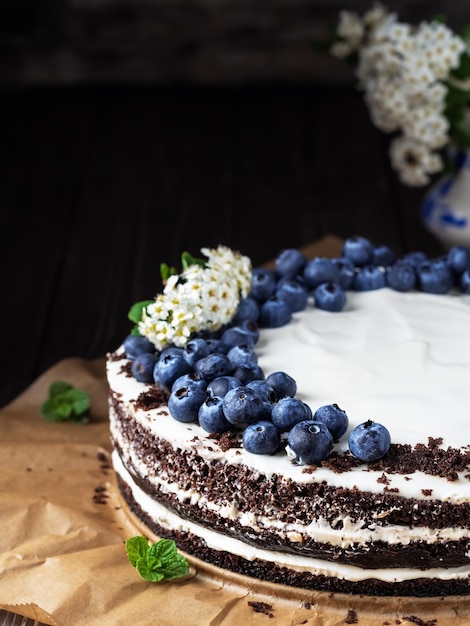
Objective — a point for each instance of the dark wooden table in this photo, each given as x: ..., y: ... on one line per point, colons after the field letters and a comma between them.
x: 100, y: 185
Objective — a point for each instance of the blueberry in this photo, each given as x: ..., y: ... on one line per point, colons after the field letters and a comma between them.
x: 369, y: 441
x: 290, y: 263
x: 242, y: 406
x: 369, y: 278
x: 263, y: 284
x: 359, y: 250
x: 217, y: 345
x: 329, y: 297
x: 287, y: 412
x: 246, y: 373
x: 220, y: 385
x: 211, y: 416
x: 184, y: 403
x: 465, y: 281
x: 346, y: 272
x: 261, y: 438
x: 172, y: 350
x: 459, y: 258
x: 213, y: 365
x: 293, y: 294
x: 242, y: 355
x: 142, y: 367
x: 334, y: 418
x: 236, y: 336
x: 415, y: 258
x: 195, y: 349
x: 308, y: 411
x: 137, y: 344
x: 383, y: 255
x: 168, y: 368
x: 435, y: 276
x: 264, y: 390
x: 309, y: 443
x: 189, y: 379
x: 320, y: 270
x: 401, y: 276
x: 282, y: 383
x: 251, y: 328
x: 274, y: 313
x: 248, y: 309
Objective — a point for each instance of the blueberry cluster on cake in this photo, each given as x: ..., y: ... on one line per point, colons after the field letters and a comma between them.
x: 305, y: 425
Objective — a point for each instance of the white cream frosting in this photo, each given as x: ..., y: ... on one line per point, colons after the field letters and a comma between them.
x: 399, y: 359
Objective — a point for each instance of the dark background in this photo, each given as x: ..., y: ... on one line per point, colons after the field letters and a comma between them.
x: 131, y: 131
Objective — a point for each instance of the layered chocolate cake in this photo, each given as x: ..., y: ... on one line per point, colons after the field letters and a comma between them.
x: 373, y: 495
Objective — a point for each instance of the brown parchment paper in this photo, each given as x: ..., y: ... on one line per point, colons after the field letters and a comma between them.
x: 63, y: 527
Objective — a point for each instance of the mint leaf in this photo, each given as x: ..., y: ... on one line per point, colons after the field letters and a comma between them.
x: 137, y: 548
x: 135, y: 312
x: 65, y: 402
x: 160, y: 561
x: 58, y: 387
x: 187, y: 259
x: 148, y: 572
x: 166, y: 271
x: 164, y: 550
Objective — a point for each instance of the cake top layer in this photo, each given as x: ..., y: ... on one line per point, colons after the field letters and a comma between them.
x: 400, y: 358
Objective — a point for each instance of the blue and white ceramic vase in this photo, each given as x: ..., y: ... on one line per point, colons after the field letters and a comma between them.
x: 446, y: 207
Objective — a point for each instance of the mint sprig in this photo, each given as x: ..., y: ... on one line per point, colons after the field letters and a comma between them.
x: 66, y: 402
x: 156, y: 562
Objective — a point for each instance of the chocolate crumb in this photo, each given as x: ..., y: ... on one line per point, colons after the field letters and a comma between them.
x: 426, y: 492
x: 261, y: 607
x: 421, y: 622
x: 226, y: 440
x: 352, y: 617
x: 126, y: 369
x: 383, y: 479
x: 405, y: 459
x: 152, y: 398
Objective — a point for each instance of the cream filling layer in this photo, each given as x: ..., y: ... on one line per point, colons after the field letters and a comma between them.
x: 216, y: 541
x: 350, y: 534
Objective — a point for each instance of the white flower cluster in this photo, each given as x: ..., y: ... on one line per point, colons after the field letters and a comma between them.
x: 401, y: 70
x: 200, y: 298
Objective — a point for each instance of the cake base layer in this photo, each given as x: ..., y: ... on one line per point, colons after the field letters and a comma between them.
x: 270, y: 572
x: 326, y: 605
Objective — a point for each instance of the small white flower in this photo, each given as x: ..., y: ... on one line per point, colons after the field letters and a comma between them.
x: 375, y: 16
x: 341, y: 49
x: 413, y: 161
x: 441, y: 47
x: 350, y: 28
x: 427, y: 126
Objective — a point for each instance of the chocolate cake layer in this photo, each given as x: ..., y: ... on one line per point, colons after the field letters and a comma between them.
x: 268, y: 571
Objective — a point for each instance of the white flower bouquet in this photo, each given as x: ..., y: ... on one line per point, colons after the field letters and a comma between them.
x: 203, y: 297
x: 416, y: 82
